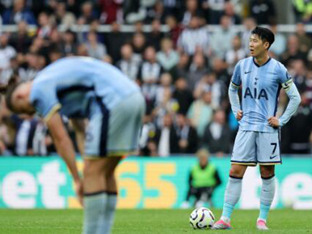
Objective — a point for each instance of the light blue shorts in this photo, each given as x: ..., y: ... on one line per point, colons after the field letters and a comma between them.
x: 252, y: 147
x: 114, y: 132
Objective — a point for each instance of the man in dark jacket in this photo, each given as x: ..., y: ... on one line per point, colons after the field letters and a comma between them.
x: 217, y: 135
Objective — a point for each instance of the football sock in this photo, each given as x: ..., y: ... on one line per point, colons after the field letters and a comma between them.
x: 231, y: 197
x: 94, y: 212
x: 266, y: 197
x: 110, y: 211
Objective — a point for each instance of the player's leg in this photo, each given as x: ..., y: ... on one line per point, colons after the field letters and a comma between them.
x: 267, y: 194
x: 244, y: 154
x: 209, y: 191
x: 95, y: 162
x: 110, y: 173
x: 95, y: 195
x: 112, y: 192
x: 125, y: 123
x: 190, y: 193
x: 231, y: 196
x: 198, y: 197
x: 268, y: 155
x: 206, y: 195
x: 233, y: 190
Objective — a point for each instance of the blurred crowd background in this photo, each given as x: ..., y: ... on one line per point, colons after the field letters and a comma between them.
x: 181, y: 53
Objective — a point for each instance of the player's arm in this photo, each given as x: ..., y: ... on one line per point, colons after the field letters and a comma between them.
x: 63, y: 143
x: 190, y: 180
x: 290, y: 88
x: 233, y: 93
x: 79, y: 128
x: 294, y: 101
x: 65, y: 148
x: 47, y: 105
x: 234, y: 99
x: 217, y: 178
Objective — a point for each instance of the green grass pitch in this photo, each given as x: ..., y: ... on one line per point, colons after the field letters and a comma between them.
x: 147, y: 221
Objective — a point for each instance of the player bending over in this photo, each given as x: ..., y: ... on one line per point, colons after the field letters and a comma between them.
x: 257, y: 140
x: 112, y: 105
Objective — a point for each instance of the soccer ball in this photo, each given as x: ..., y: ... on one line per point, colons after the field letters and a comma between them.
x: 202, y: 218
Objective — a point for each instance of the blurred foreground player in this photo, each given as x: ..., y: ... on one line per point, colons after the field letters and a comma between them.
x: 257, y: 140
x: 111, y: 106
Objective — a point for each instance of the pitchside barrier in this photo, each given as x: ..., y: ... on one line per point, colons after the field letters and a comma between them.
x: 36, y: 182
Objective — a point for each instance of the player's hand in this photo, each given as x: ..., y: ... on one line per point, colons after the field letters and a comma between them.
x: 79, y: 191
x: 183, y: 143
x: 273, y: 121
x: 239, y: 115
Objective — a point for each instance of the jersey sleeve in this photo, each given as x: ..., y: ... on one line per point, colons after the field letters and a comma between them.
x: 236, y: 77
x: 284, y: 77
x: 44, y: 100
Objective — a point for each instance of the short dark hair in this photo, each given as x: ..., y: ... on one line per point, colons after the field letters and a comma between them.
x: 13, y: 79
x: 8, y: 96
x: 264, y: 34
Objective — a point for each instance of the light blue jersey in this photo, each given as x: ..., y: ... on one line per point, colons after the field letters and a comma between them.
x: 260, y: 90
x: 73, y: 84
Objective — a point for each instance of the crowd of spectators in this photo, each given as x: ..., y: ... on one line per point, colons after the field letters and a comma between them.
x: 183, y: 72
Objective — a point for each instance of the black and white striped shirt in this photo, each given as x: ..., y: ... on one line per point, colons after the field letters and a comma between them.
x: 190, y: 39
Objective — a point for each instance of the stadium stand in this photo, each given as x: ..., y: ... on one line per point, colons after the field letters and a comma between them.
x: 181, y: 53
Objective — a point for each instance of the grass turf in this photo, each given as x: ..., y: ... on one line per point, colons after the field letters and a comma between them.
x: 147, y: 221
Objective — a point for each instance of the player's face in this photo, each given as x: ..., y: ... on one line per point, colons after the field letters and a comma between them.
x: 203, y: 161
x: 256, y: 46
x: 20, y: 102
